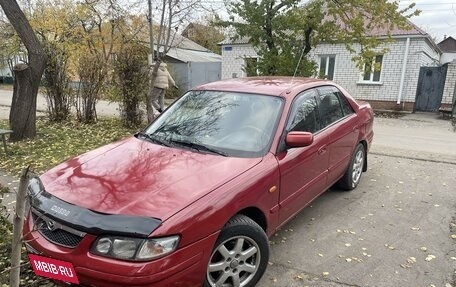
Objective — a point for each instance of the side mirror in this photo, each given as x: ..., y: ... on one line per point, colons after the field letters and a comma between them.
x: 299, y: 139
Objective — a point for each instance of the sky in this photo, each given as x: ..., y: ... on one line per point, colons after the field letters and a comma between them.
x: 438, y: 17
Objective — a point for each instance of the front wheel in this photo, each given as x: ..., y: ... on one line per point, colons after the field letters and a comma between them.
x: 240, y: 255
x: 352, y: 176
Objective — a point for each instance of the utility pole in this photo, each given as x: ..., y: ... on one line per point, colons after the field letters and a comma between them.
x: 151, y: 33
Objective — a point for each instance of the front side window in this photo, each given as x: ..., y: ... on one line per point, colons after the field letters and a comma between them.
x: 305, y: 114
x: 327, y: 65
x: 373, y: 70
x: 230, y: 123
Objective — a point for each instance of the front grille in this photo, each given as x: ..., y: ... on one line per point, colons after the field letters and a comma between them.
x: 56, y: 232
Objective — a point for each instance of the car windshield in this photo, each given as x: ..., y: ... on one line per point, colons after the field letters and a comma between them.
x: 224, y: 123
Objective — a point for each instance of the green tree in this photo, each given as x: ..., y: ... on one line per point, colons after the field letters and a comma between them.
x: 283, y: 32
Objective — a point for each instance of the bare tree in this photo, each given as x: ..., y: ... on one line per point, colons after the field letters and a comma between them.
x: 172, y: 14
x: 27, y: 78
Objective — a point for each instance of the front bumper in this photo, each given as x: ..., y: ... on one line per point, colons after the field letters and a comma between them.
x: 184, y: 267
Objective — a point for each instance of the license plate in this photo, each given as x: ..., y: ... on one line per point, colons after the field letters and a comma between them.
x: 52, y: 268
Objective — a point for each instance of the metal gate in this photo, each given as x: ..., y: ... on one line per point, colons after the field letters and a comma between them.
x: 430, y: 88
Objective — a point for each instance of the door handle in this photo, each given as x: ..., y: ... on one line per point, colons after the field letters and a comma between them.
x: 322, y: 150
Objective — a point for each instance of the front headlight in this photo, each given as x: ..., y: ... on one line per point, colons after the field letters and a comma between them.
x: 134, y: 248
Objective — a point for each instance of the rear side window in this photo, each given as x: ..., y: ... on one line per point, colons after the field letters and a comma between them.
x: 345, y: 104
x: 330, y: 107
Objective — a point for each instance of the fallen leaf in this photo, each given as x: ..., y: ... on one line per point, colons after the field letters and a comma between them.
x: 299, y: 276
x: 429, y: 257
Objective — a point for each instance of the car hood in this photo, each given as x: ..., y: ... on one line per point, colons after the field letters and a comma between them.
x: 136, y: 177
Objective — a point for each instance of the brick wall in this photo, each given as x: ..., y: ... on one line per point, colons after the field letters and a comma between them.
x: 233, y: 59
x: 450, y: 84
x: 349, y: 76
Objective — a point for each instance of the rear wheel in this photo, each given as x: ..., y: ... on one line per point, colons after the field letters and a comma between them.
x: 352, y: 176
x: 240, y: 255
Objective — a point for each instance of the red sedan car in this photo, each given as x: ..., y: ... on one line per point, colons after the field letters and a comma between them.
x: 192, y: 199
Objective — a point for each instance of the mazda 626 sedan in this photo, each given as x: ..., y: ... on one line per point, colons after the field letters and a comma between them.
x: 192, y: 199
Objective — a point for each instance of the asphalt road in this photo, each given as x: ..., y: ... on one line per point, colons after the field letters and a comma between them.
x: 393, y: 230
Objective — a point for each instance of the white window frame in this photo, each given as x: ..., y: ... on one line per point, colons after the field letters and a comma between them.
x: 327, y: 56
x: 372, y: 72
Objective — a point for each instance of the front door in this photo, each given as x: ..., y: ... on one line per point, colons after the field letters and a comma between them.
x: 303, y: 170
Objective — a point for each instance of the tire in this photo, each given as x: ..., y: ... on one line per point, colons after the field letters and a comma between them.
x: 352, y: 176
x: 240, y: 255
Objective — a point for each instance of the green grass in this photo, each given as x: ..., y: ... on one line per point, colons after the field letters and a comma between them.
x: 55, y: 142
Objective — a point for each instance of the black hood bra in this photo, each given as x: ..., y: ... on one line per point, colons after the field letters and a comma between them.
x: 83, y: 219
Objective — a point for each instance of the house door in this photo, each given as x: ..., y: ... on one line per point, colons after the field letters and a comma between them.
x: 430, y: 88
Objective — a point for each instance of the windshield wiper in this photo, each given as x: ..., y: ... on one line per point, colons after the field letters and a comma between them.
x: 154, y: 139
x: 198, y: 147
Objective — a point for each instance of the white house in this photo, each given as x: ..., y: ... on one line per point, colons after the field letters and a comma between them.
x: 448, y: 47
x: 393, y: 87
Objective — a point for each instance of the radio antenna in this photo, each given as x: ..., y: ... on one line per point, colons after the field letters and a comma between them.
x: 299, y: 63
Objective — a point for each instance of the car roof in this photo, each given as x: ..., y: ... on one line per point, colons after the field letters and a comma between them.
x: 274, y: 86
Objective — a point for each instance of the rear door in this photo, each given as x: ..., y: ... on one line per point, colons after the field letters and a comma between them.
x: 303, y: 170
x: 341, y: 123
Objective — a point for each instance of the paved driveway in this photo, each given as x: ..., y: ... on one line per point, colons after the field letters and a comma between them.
x: 381, y: 234
x: 393, y: 230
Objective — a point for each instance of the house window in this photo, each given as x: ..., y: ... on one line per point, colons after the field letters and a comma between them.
x: 250, y: 67
x: 373, y: 70
x: 327, y: 64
